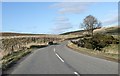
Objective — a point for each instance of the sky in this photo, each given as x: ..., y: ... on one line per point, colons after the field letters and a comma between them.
x: 55, y: 17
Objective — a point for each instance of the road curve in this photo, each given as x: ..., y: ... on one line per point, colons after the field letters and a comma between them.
x: 59, y: 59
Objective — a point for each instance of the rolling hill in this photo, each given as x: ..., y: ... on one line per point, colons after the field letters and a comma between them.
x: 114, y: 30
x: 17, y: 34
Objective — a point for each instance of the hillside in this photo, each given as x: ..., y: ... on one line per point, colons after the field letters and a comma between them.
x: 17, y: 34
x: 105, y: 30
x: 78, y: 32
x: 114, y: 30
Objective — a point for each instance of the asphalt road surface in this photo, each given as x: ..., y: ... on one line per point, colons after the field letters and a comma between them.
x: 59, y: 59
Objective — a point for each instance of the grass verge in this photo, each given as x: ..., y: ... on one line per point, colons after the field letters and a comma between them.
x: 98, y: 54
x: 9, y: 60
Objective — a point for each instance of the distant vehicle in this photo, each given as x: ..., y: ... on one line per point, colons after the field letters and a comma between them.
x: 50, y: 43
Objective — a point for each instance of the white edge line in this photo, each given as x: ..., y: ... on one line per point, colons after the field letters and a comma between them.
x: 59, y: 57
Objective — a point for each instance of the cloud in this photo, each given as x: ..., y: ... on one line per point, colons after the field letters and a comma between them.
x: 111, y: 20
x: 61, y: 19
x: 71, y: 7
x: 61, y: 24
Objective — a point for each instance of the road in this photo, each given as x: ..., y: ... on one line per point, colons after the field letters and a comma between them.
x: 59, y: 59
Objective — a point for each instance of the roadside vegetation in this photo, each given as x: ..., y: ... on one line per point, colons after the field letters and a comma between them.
x: 98, y: 42
x: 104, y: 42
x: 110, y: 52
x: 11, y: 59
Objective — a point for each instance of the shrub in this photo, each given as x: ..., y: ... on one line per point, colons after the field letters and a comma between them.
x: 98, y: 41
x: 88, y: 45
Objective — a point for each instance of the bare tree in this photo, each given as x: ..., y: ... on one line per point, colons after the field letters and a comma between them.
x: 99, y: 25
x: 90, y: 23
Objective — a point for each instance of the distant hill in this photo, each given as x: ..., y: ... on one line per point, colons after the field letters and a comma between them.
x: 78, y: 32
x: 17, y: 34
x: 114, y: 30
x: 104, y: 30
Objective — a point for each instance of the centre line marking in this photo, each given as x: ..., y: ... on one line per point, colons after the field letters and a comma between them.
x: 60, y: 58
x: 54, y: 49
x: 76, y: 73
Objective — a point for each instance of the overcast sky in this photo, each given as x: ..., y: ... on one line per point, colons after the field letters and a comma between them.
x: 55, y: 17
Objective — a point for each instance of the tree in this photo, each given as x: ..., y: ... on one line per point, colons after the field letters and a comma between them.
x: 90, y: 23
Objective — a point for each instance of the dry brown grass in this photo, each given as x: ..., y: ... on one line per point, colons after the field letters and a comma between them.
x: 90, y: 52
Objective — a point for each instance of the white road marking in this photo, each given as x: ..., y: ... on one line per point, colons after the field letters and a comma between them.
x: 63, y: 61
x: 76, y: 73
x: 59, y: 57
x: 54, y: 49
